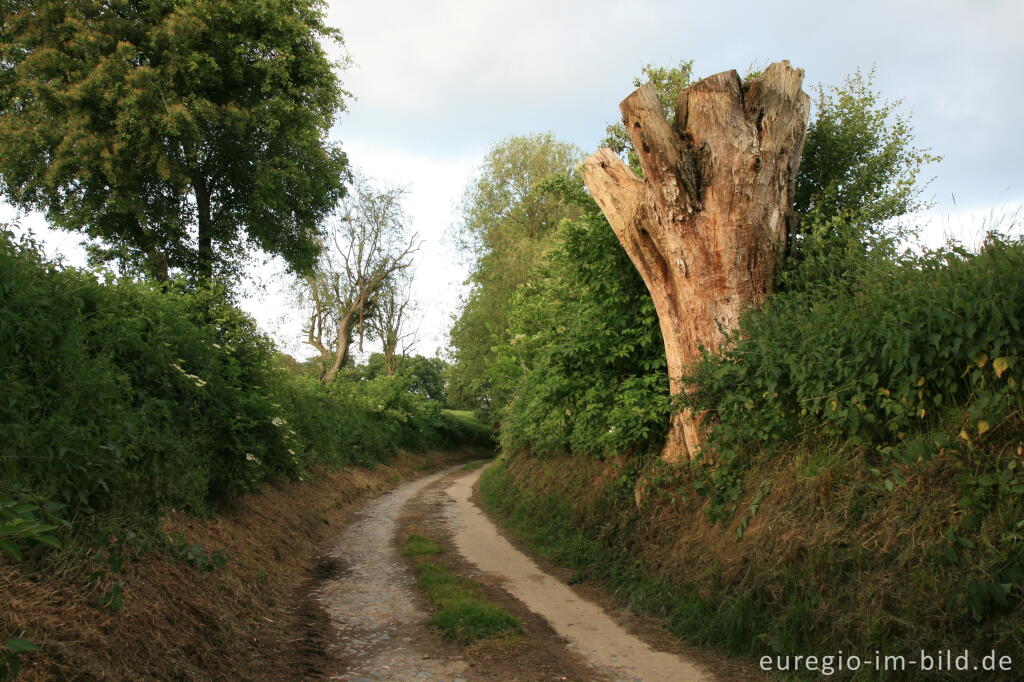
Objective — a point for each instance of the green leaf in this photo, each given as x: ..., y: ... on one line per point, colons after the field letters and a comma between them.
x: 47, y: 540
x: 11, y: 549
x: 20, y: 646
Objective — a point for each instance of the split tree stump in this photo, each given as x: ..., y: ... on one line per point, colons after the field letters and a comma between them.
x: 706, y: 226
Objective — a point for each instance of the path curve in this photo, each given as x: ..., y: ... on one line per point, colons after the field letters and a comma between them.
x: 591, y: 631
x: 372, y: 604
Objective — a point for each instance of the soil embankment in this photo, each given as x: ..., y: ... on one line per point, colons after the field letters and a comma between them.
x: 250, y: 619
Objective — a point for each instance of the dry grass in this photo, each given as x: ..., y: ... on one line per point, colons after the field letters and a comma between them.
x: 248, y: 620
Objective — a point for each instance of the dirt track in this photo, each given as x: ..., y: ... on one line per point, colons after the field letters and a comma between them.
x: 593, y: 633
x: 379, y: 618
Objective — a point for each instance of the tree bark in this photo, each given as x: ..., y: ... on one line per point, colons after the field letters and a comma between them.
x: 390, y: 360
x: 204, y: 215
x: 707, y: 224
x: 342, y: 345
x: 158, y: 266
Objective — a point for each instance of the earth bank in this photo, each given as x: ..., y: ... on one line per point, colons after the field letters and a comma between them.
x: 250, y: 619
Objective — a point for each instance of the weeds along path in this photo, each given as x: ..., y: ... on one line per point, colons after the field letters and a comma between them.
x: 589, y: 629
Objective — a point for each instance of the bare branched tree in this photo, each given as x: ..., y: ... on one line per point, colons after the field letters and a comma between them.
x: 367, y: 248
x: 390, y: 321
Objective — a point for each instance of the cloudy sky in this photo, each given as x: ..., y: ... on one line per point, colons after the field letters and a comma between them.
x: 437, y: 82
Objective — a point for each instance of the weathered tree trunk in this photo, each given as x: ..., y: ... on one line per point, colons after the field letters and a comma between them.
x: 390, y: 346
x: 707, y: 224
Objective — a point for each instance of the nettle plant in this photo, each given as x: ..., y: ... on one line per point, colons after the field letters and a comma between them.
x: 907, y: 345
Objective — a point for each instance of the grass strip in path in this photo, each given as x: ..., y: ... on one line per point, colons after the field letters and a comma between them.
x: 461, y: 614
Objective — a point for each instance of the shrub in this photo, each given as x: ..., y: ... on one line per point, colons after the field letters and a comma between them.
x: 879, y: 362
x: 124, y: 398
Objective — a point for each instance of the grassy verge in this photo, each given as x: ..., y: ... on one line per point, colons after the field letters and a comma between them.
x: 461, y: 613
x: 824, y: 558
x: 470, y: 466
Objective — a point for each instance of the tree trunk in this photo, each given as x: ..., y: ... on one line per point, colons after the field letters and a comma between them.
x: 342, y: 345
x: 204, y: 216
x: 158, y: 266
x: 389, y: 346
x: 706, y: 226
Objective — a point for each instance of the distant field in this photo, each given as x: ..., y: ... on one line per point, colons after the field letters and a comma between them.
x: 461, y: 414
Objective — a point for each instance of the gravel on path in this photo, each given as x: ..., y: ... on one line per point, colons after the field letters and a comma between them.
x: 372, y: 602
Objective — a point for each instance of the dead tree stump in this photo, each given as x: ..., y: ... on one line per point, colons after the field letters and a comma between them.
x: 706, y: 226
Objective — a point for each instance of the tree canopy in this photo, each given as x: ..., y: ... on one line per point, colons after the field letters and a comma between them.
x: 860, y: 172
x: 508, y: 219
x: 175, y: 132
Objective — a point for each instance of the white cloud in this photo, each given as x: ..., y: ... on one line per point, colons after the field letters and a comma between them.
x: 449, y: 77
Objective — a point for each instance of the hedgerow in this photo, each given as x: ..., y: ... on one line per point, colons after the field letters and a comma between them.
x: 122, y: 399
x: 908, y: 344
x: 586, y: 331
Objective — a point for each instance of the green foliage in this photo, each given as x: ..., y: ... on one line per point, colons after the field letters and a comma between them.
x: 175, y: 132
x: 195, y: 555
x: 910, y: 363
x: 859, y: 171
x: 123, y: 399
x: 121, y: 395
x: 28, y: 520
x: 425, y: 376
x: 586, y: 333
x: 667, y: 82
x: 507, y: 223
x: 466, y: 428
x: 10, y: 657
x: 879, y: 363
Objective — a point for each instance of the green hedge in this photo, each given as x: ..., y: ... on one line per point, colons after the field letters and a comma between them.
x: 122, y: 399
x: 908, y: 345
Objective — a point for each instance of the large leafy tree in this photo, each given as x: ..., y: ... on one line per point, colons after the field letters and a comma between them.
x: 507, y: 222
x: 860, y: 172
x: 422, y: 375
x: 175, y: 132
